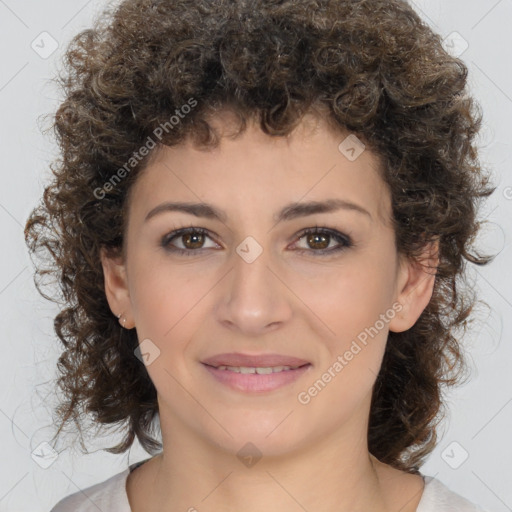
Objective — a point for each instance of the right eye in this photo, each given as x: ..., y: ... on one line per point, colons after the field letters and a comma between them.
x: 192, y: 240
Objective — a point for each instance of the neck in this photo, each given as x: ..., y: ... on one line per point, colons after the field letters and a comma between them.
x: 331, y: 475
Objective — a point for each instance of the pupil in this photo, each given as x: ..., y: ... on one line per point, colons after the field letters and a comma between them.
x: 196, y: 244
x: 312, y: 240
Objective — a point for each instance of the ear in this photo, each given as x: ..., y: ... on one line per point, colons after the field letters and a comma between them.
x: 116, y: 287
x: 415, y: 284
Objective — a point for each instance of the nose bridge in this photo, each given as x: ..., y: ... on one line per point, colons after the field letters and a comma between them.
x: 253, y: 299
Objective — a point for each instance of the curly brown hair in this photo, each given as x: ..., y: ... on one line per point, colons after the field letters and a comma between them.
x: 371, y: 67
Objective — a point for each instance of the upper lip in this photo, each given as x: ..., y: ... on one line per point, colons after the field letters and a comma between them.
x: 255, y: 361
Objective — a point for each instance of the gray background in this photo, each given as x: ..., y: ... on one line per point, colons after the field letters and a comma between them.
x: 478, y: 425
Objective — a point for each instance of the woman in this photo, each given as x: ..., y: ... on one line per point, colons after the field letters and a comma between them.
x: 260, y: 223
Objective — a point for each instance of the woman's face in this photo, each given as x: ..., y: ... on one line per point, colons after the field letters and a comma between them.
x: 256, y: 281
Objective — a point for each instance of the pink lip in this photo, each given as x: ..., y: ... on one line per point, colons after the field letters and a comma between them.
x: 257, y: 360
x: 253, y: 382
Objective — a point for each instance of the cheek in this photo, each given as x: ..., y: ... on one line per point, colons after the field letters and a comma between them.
x: 352, y: 296
x: 351, y: 358
x: 167, y: 300
x: 355, y: 303
x: 167, y: 303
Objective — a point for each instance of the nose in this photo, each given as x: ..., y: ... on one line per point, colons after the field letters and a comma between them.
x: 254, y: 298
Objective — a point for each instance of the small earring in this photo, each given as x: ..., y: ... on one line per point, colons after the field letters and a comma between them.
x: 124, y: 319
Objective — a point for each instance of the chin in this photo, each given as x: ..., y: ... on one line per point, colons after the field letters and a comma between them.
x: 257, y: 436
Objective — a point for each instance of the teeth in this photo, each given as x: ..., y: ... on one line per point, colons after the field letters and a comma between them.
x: 258, y: 370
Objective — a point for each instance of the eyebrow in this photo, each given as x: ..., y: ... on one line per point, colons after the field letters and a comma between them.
x: 289, y: 212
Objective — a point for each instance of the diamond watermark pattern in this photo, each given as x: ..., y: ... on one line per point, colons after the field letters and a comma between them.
x: 249, y: 249
x: 351, y: 147
x: 44, y: 45
x: 454, y: 455
x: 147, y: 352
x: 249, y: 455
x: 455, y: 44
x: 44, y: 455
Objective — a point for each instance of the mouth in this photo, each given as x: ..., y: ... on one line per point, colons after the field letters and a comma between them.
x: 260, y: 370
x: 239, y: 360
x: 255, y: 374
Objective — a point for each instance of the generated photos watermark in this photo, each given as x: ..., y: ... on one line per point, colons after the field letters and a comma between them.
x: 304, y: 397
x: 150, y: 143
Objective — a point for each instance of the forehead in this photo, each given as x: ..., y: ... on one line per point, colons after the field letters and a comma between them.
x: 255, y: 174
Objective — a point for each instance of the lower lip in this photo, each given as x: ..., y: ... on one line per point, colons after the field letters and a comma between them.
x: 254, y: 382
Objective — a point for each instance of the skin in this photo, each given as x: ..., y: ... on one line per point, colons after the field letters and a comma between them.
x: 311, y: 306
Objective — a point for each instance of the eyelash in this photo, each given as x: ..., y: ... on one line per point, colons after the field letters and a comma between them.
x: 344, y: 240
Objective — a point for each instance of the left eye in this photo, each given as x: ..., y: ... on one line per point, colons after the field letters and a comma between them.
x: 193, y: 239
x: 321, y: 239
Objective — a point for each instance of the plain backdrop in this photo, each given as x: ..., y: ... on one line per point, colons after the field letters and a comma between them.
x: 474, y: 453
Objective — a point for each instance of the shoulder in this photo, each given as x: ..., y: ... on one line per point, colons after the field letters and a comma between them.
x: 107, y: 495
x: 437, y: 497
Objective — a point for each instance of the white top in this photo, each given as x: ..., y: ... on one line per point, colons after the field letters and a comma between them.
x: 110, y: 495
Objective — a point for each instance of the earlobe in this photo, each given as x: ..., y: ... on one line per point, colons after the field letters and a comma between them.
x: 116, y: 285
x: 415, y: 285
